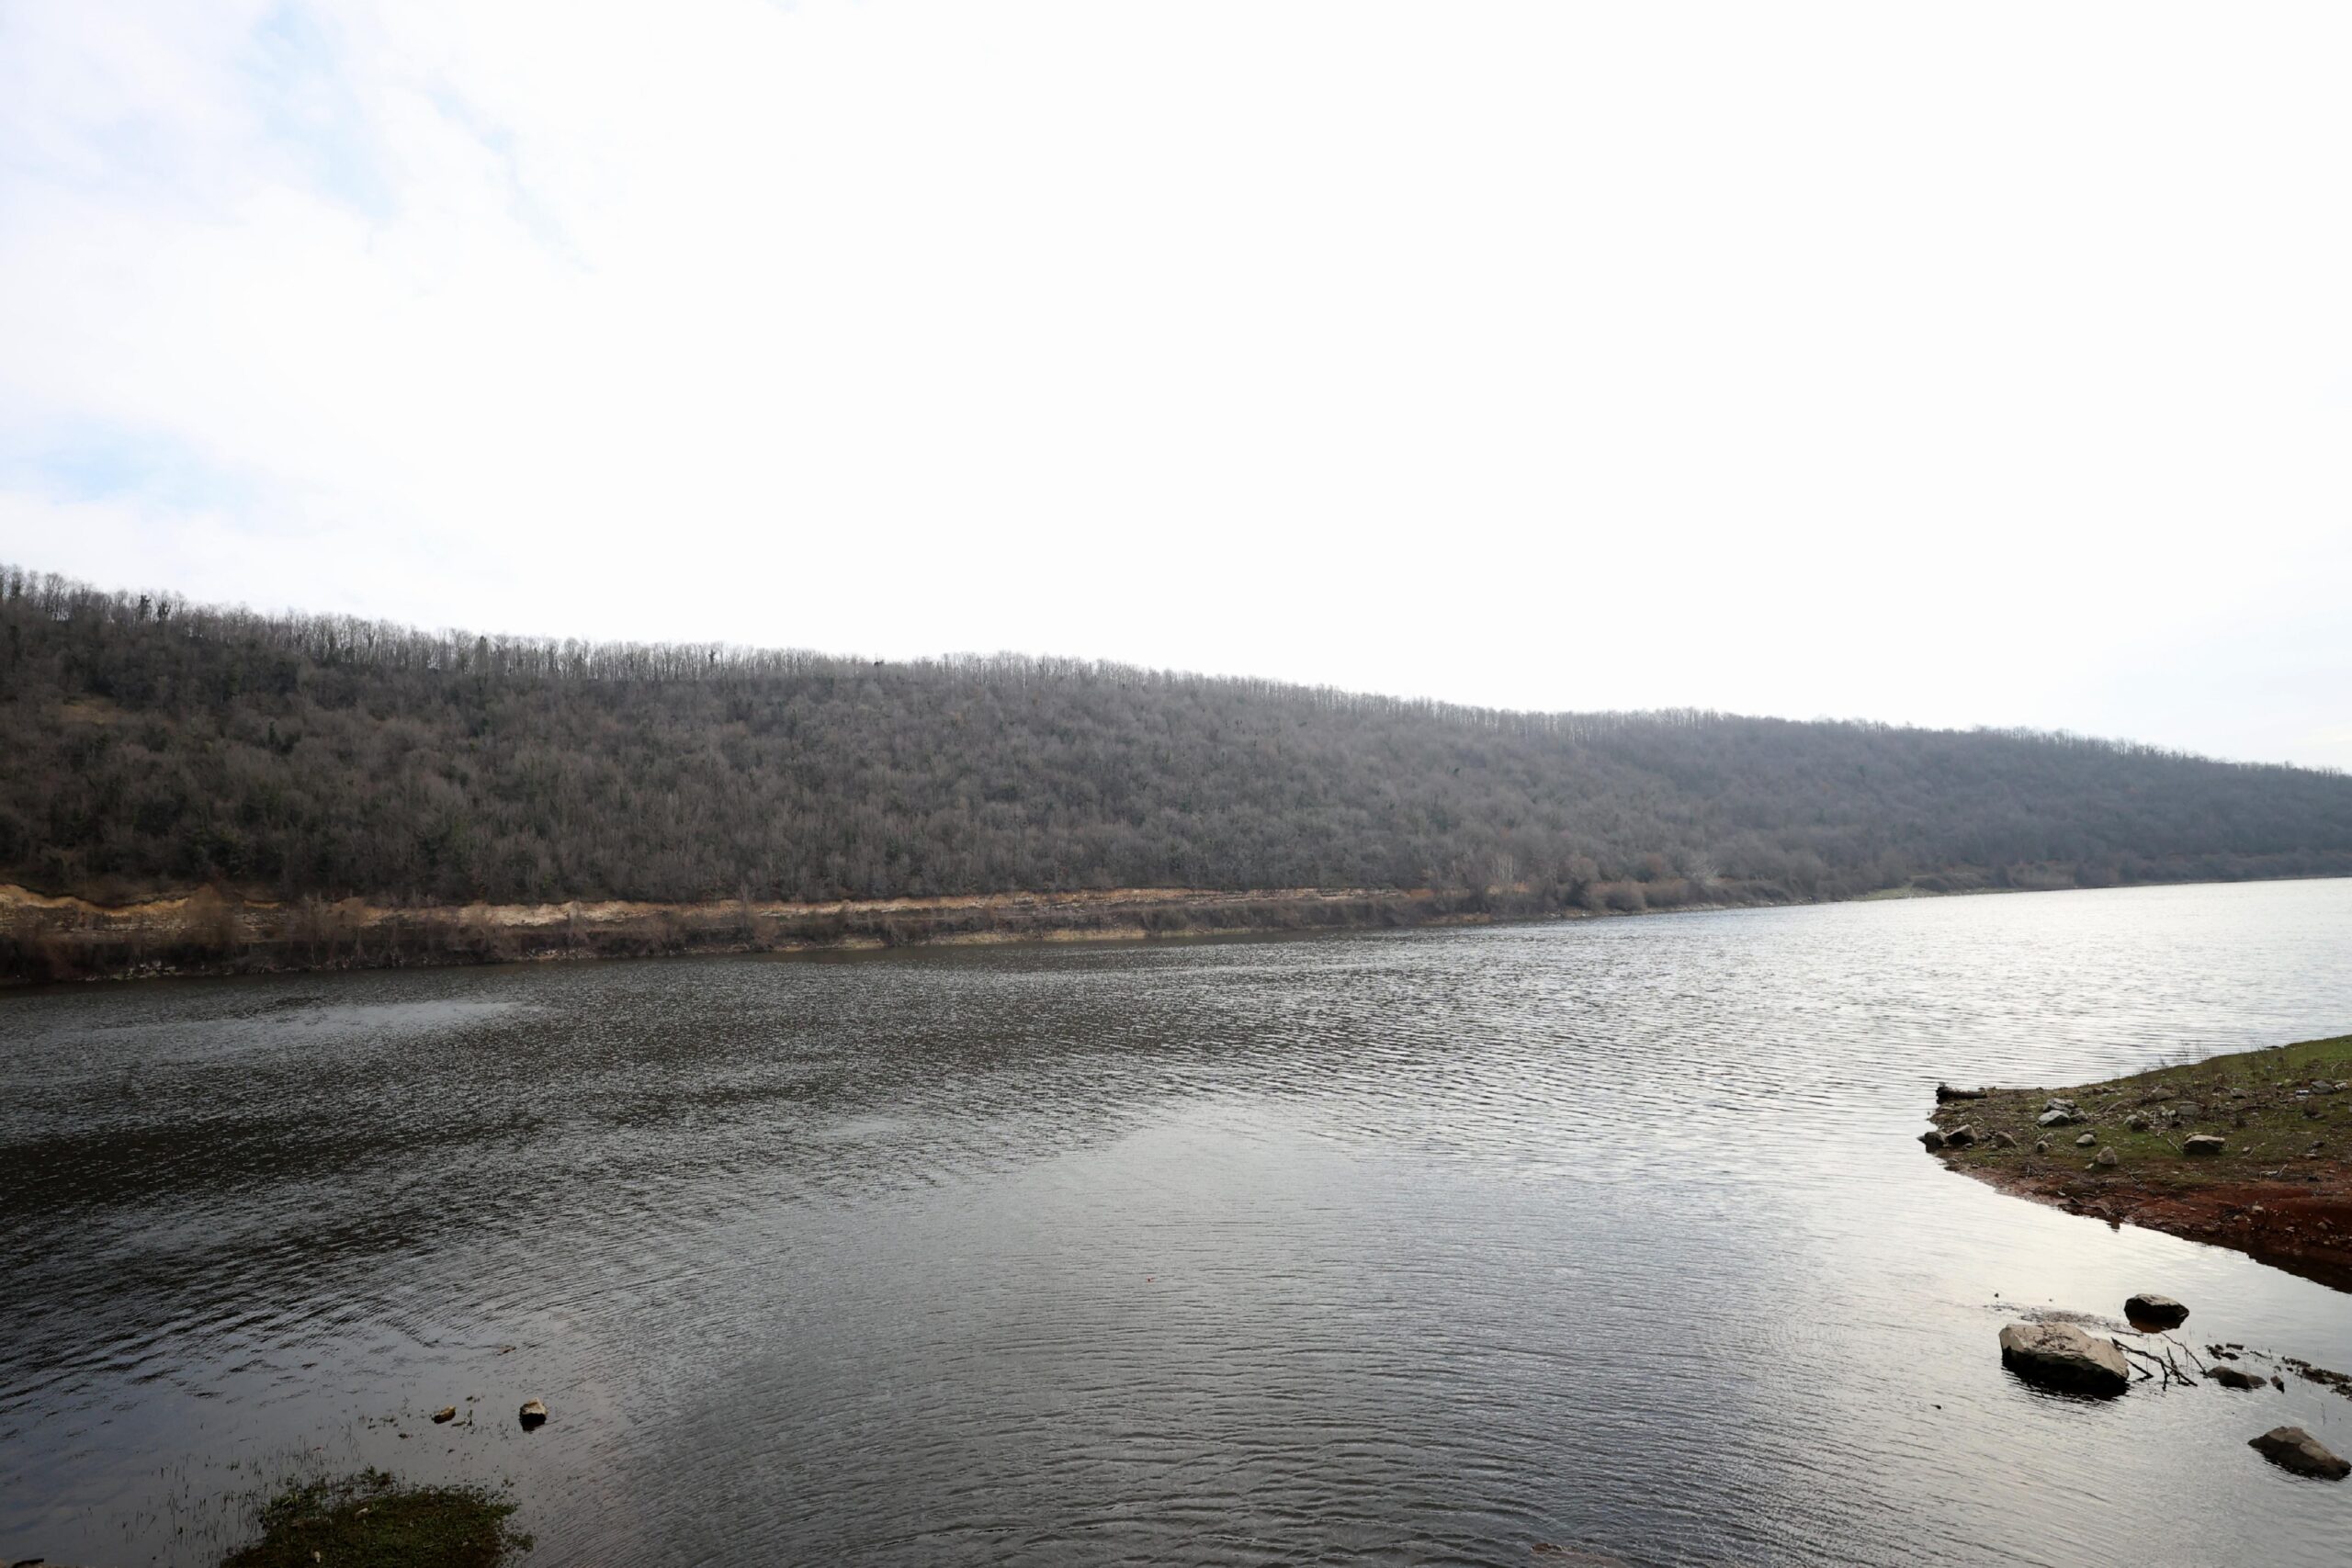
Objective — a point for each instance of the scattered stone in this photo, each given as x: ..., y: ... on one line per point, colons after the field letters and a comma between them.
x: 2235, y: 1377
x: 2107, y: 1156
x: 2203, y: 1143
x: 2136, y: 1122
x: 446, y: 1413
x: 1944, y: 1091
x: 1960, y: 1137
x: 2322, y: 1375
x: 2065, y: 1356
x: 2161, y: 1311
x: 2086, y: 1141
x: 2291, y: 1448
x: 2042, y: 1145
x: 2003, y: 1141
x: 1933, y: 1139
x: 2058, y: 1117
x: 533, y: 1413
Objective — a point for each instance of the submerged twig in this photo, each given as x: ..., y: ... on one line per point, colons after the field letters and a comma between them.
x: 2191, y: 1354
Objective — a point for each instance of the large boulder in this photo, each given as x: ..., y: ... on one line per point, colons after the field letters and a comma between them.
x: 2063, y: 1356
x: 2154, y: 1311
x: 2291, y: 1448
x: 2203, y: 1143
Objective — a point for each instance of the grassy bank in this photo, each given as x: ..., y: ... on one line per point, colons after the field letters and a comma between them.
x: 209, y: 931
x: 2280, y: 1188
x: 373, y: 1521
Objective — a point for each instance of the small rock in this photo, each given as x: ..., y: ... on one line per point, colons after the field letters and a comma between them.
x: 2160, y: 1311
x: 1932, y: 1138
x: 2059, y: 1117
x: 2065, y: 1356
x: 2086, y: 1141
x: 2106, y: 1157
x: 2291, y: 1448
x: 2203, y: 1143
x: 2235, y: 1377
x: 2136, y: 1122
x: 2042, y: 1145
x: 446, y: 1413
x: 2003, y: 1141
x: 1960, y: 1137
x: 533, y: 1413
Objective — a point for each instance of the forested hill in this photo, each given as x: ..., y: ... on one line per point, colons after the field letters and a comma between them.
x: 149, y: 744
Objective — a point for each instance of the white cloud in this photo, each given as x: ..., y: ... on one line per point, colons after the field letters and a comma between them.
x: 1970, y: 367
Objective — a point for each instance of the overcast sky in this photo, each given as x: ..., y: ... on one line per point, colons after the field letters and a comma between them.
x: 1958, y: 365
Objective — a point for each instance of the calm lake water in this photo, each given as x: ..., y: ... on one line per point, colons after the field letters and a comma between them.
x: 1403, y: 1248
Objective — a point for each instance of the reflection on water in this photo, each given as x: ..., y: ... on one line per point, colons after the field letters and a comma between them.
x: 1405, y: 1247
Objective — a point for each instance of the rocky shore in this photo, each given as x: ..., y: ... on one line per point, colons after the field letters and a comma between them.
x: 2246, y: 1151
x: 2081, y: 1355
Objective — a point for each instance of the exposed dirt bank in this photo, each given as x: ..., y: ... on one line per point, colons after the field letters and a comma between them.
x: 2279, y: 1189
x: 45, y: 937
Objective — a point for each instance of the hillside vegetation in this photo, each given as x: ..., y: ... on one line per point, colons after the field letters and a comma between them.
x: 147, y: 744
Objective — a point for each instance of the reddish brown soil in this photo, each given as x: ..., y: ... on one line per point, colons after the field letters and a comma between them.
x: 2304, y: 1227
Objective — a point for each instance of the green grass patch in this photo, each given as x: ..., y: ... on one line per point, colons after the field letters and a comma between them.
x: 370, y: 1520
x: 2277, y: 1108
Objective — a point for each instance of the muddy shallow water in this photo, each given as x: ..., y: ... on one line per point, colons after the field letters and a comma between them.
x: 1410, y: 1248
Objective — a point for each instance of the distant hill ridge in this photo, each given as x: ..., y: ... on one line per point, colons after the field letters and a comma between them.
x: 147, y: 744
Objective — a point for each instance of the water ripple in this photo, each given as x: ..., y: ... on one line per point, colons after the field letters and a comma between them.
x: 1410, y: 1247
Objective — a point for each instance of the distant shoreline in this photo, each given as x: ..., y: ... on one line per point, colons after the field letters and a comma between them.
x: 54, y: 938
x: 64, y: 938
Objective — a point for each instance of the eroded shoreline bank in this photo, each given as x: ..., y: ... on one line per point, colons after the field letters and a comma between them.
x: 2277, y: 1189
x: 54, y: 939
x: 212, y: 932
